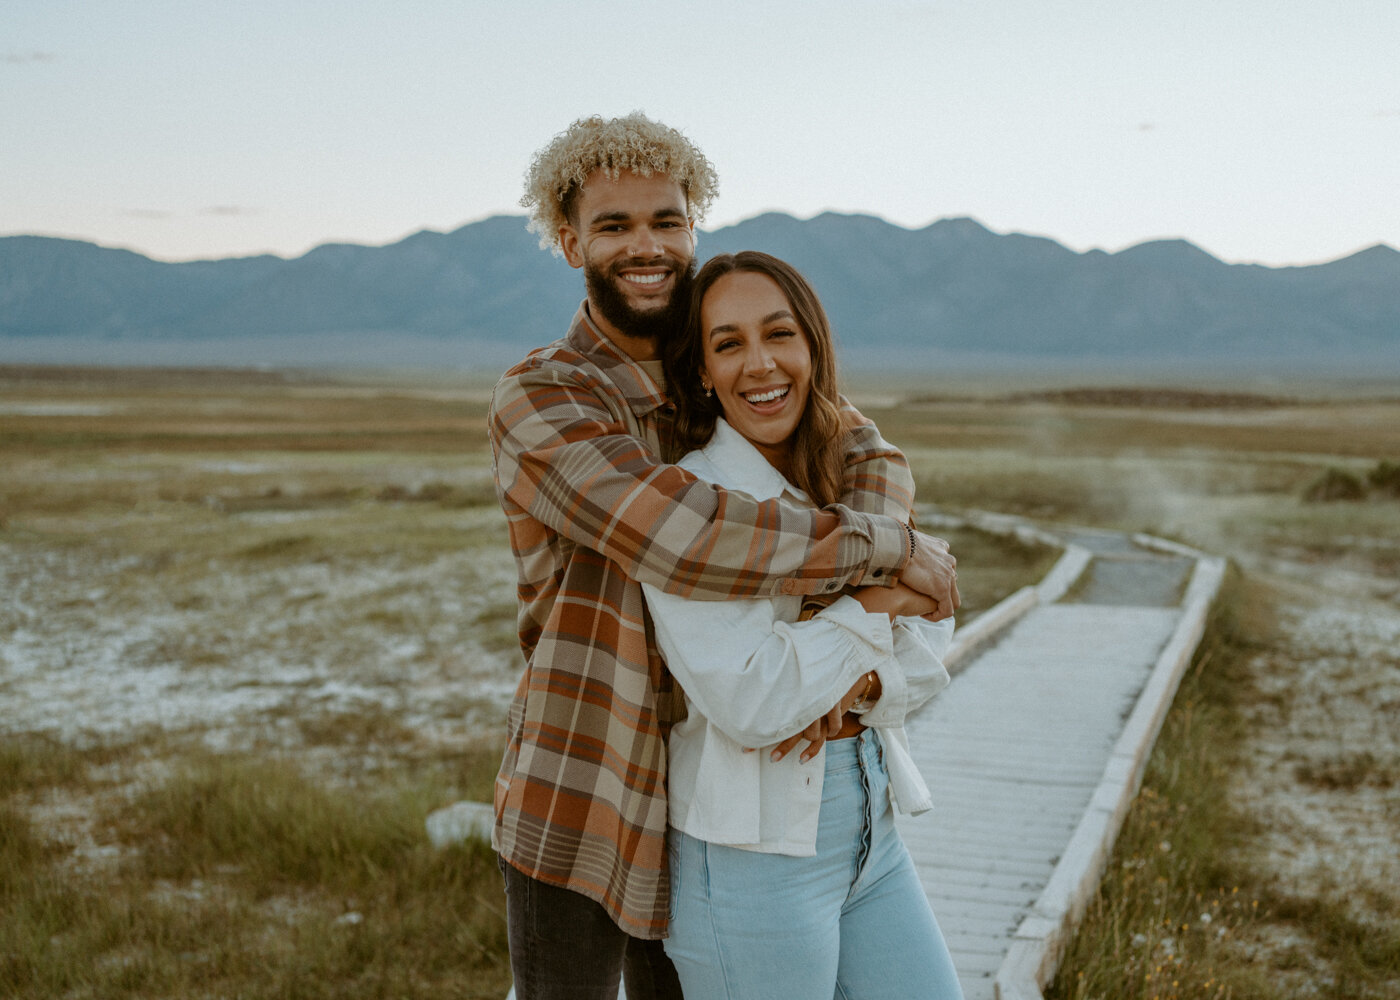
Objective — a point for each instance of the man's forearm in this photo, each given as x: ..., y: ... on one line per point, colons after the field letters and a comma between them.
x: 878, y: 479
x: 562, y: 458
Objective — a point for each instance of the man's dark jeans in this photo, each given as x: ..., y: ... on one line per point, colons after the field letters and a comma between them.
x: 564, y: 946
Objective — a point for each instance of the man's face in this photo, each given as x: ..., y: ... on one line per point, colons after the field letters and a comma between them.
x: 636, y: 245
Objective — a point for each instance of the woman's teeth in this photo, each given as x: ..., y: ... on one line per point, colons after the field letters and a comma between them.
x: 766, y: 397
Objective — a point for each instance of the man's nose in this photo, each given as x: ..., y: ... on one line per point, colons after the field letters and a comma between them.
x: 645, y: 243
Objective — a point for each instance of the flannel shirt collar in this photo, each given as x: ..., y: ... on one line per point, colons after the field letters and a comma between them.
x: 640, y: 390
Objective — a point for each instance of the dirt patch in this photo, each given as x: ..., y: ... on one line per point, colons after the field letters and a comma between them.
x: 252, y: 649
x: 1321, y: 775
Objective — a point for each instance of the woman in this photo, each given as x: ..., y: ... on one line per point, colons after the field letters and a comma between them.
x: 788, y: 879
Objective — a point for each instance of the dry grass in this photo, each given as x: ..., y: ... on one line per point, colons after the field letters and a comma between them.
x: 222, y: 875
x: 256, y: 625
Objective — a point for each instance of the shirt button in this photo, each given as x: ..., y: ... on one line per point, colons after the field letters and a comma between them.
x: 878, y: 573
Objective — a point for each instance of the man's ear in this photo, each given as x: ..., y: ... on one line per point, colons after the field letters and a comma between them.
x: 569, y: 243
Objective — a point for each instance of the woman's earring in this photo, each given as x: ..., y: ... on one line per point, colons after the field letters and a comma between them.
x: 708, y: 391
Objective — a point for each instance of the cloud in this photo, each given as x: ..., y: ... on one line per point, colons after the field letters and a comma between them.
x: 222, y: 211
x: 22, y: 58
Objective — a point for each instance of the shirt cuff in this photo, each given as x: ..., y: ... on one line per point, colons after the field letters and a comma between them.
x: 893, y: 705
x: 875, y: 630
x: 890, y: 552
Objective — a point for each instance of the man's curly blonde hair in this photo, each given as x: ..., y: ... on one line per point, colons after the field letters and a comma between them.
x: 633, y: 142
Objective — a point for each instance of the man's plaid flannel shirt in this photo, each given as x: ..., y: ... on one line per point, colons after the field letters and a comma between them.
x: 576, y: 430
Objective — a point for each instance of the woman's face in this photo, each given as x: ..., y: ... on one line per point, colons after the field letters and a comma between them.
x: 758, y: 360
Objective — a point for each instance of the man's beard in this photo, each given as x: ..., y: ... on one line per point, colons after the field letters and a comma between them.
x: 655, y: 324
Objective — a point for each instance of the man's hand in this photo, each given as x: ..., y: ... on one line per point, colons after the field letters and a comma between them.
x: 933, y: 571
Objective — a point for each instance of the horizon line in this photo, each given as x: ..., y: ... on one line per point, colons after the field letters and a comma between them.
x: 334, y: 242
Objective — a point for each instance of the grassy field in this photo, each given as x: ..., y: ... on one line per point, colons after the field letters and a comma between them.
x: 256, y: 625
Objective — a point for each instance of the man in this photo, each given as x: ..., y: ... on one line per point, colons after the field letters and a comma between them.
x: 576, y: 430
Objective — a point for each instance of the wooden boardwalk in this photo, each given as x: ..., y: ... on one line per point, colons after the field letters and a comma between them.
x: 1034, y: 751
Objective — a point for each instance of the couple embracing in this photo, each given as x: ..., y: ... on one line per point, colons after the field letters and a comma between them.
x: 725, y: 613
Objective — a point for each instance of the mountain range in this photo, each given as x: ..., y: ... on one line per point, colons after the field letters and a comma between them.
x: 951, y: 294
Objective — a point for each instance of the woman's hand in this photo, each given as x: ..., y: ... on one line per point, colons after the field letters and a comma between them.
x: 816, y: 735
x: 897, y: 600
x: 867, y: 687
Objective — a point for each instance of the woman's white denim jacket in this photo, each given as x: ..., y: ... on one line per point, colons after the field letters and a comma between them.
x: 754, y: 675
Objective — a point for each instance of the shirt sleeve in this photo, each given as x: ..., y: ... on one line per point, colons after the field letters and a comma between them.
x: 914, y: 674
x: 760, y: 680
x: 878, y: 477
x: 564, y: 456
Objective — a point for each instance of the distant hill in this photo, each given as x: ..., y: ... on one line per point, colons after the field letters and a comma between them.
x: 950, y: 294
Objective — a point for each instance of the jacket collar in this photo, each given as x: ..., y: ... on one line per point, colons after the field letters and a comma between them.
x: 744, y: 466
x: 640, y: 390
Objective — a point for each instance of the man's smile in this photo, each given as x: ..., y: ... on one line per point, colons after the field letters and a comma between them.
x: 654, y: 278
x: 645, y: 279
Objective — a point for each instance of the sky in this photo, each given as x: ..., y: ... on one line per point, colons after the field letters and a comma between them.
x: 1263, y: 131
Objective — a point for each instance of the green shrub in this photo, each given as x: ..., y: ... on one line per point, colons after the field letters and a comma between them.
x: 1385, y: 479
x: 1335, y: 484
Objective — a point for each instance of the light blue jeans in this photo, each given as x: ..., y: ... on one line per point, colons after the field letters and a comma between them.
x: 851, y: 923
